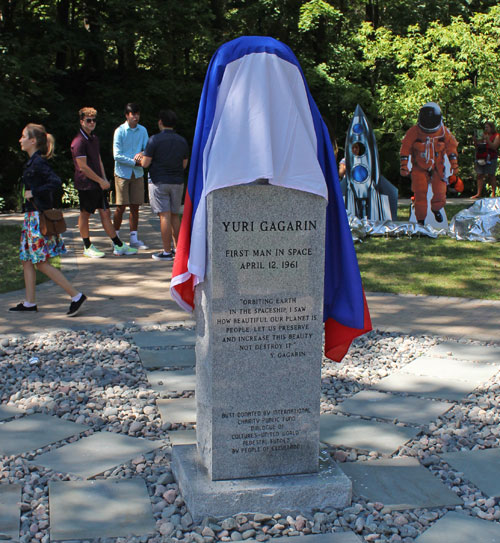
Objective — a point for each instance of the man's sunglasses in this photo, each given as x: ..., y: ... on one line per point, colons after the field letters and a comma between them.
x: 88, y: 121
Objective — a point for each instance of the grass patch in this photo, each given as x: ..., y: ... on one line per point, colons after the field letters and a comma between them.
x: 451, y: 211
x: 11, y: 268
x: 436, y: 267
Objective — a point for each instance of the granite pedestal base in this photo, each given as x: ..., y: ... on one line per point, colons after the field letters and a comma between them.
x: 286, y: 494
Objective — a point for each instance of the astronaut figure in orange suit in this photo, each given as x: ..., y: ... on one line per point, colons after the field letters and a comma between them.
x: 429, y: 153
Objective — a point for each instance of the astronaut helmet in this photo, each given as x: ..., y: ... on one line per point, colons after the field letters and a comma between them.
x: 430, y: 117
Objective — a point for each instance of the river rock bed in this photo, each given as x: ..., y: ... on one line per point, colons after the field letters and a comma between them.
x: 95, y: 378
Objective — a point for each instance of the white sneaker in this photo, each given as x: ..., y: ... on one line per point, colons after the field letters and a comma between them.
x: 124, y: 250
x: 138, y: 244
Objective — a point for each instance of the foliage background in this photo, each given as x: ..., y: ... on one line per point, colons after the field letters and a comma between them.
x: 390, y: 56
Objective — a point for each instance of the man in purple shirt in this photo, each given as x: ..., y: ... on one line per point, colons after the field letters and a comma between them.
x: 91, y: 183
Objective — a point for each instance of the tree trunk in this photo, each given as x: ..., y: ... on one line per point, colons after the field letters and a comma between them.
x: 62, y: 18
x: 372, y: 12
x: 94, y: 54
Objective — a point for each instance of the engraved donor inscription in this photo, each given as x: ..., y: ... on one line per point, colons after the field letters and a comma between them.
x: 266, y: 430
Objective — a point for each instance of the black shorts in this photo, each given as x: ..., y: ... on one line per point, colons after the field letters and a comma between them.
x: 90, y: 200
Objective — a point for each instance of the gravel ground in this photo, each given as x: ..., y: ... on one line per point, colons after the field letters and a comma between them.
x: 96, y: 378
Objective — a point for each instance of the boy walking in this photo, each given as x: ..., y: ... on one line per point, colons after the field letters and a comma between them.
x: 91, y: 183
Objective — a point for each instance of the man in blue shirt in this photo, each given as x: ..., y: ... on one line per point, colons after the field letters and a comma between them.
x: 129, y: 142
x: 166, y: 155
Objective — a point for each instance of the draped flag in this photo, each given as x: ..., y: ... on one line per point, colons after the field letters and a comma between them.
x: 257, y: 120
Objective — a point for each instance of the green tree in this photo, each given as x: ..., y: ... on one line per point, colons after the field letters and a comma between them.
x: 390, y: 56
x: 448, y: 64
x: 57, y: 56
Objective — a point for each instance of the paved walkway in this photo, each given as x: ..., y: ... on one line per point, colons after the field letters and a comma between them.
x: 126, y: 289
x: 458, y: 318
x: 120, y: 289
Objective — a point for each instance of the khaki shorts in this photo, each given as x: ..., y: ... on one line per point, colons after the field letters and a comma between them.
x: 129, y: 191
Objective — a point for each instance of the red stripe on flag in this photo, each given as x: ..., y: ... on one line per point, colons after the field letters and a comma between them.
x: 185, y: 289
x: 338, y: 338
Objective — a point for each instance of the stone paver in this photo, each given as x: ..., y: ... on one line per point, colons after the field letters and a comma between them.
x: 481, y: 468
x: 103, y: 508
x: 477, y: 353
x: 449, y: 368
x: 95, y: 454
x: 172, y: 381
x: 35, y: 431
x: 180, y: 410
x: 10, y: 496
x: 364, y: 434
x: 457, y: 527
x: 333, y: 537
x: 388, y: 406
x: 167, y: 358
x: 170, y: 338
x: 426, y: 385
x: 182, y: 437
x: 399, y: 483
x: 8, y: 411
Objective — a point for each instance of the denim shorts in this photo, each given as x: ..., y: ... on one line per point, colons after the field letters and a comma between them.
x: 486, y: 169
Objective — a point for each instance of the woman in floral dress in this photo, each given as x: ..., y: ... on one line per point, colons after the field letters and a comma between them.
x: 40, y: 185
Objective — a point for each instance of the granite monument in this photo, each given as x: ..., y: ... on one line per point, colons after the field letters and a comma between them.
x: 258, y: 358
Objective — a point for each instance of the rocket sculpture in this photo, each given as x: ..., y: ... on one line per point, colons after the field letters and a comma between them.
x: 366, y: 192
